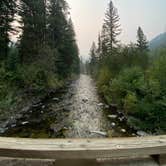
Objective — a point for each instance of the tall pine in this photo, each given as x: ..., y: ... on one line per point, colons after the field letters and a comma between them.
x: 142, y: 48
x: 33, y: 23
x: 62, y: 37
x: 94, y: 58
x: 111, y: 27
x: 142, y: 42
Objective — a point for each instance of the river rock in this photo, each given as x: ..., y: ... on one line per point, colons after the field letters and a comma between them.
x: 13, y: 125
x: 26, y: 109
x: 43, y: 106
x: 55, y: 99
x: 24, y: 123
x: 123, y: 130
x: 100, y: 104
x: 121, y: 119
x: 113, y: 124
x: 85, y: 100
x: 133, y: 134
x: 100, y: 133
x: 65, y: 128
x: 112, y: 116
x: 121, y: 113
x: 37, y: 105
x: 142, y: 133
x: 2, y: 130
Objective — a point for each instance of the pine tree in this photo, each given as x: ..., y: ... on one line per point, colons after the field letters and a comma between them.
x: 57, y: 22
x: 104, y: 42
x: 33, y: 23
x: 62, y: 38
x: 111, y: 27
x: 57, y: 25
x: 142, y: 48
x: 93, y: 55
x: 142, y: 42
x: 7, y: 11
x: 99, y: 48
x: 73, y: 51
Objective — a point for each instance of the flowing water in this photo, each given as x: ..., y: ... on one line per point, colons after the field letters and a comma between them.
x: 77, y: 112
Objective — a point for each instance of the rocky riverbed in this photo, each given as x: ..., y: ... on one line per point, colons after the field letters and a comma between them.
x: 74, y: 112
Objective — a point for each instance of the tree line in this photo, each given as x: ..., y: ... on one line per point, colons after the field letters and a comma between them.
x: 131, y: 76
x: 46, y: 52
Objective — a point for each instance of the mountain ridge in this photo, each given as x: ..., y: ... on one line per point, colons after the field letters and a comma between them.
x: 158, y: 42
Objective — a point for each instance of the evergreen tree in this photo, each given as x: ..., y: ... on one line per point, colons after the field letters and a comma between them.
x: 62, y: 37
x: 7, y: 11
x: 57, y: 22
x: 99, y: 48
x: 73, y: 51
x: 111, y: 27
x: 142, y: 42
x: 104, y: 41
x: 57, y: 25
x: 93, y: 55
x: 33, y: 23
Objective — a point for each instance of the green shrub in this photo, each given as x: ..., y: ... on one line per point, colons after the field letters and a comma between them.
x: 103, y: 78
x: 131, y: 103
x: 129, y: 81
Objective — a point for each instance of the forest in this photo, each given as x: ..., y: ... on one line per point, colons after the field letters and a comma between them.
x: 46, y: 53
x: 131, y: 76
x: 45, y: 61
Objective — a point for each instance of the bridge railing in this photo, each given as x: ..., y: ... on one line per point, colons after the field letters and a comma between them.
x: 84, y: 149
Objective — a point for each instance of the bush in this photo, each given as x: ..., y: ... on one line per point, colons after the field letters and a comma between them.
x: 129, y: 81
x: 143, y: 94
x: 103, y: 78
x: 130, y: 103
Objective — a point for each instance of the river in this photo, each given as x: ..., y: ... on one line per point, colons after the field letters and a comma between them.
x: 78, y: 112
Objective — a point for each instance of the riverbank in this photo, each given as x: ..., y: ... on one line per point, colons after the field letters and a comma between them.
x: 73, y: 112
x: 25, y: 100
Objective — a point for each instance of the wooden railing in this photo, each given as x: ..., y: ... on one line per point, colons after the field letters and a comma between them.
x: 83, y: 149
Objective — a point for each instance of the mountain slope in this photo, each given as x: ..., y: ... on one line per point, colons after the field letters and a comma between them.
x: 158, y: 42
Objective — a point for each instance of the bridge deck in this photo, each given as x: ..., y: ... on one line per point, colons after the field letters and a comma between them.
x: 82, y: 149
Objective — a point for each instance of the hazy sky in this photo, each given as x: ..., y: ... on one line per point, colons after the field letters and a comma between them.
x: 88, y: 17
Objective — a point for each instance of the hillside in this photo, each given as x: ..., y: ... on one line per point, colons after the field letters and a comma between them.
x: 158, y: 41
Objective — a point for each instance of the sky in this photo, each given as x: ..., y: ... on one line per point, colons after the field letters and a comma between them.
x: 88, y: 15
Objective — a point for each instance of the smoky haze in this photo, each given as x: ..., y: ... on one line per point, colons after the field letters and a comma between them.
x: 88, y: 17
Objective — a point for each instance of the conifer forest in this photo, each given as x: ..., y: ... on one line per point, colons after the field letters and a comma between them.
x: 48, y: 90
